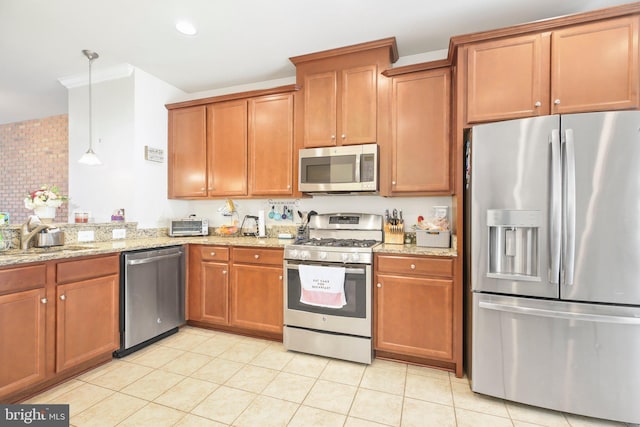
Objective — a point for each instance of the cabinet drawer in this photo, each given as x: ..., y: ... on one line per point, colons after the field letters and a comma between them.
x: 87, y: 268
x: 428, y: 266
x: 258, y: 256
x: 214, y: 253
x: 20, y: 278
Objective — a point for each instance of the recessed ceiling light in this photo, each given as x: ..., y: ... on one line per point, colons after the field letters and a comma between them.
x: 186, y: 28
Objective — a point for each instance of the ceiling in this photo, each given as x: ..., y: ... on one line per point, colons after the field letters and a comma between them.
x: 238, y: 41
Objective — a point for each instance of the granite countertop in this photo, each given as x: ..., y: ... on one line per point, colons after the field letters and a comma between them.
x: 16, y: 256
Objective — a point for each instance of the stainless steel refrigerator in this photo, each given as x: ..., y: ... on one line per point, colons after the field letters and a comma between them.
x: 555, y: 262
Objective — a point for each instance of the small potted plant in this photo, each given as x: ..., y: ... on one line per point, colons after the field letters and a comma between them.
x: 44, y: 202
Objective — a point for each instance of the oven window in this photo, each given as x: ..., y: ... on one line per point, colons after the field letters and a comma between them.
x: 355, y: 288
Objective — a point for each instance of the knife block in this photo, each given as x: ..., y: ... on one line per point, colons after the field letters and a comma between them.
x: 394, y: 234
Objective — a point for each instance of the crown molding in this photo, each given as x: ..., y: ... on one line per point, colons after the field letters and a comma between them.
x: 112, y: 73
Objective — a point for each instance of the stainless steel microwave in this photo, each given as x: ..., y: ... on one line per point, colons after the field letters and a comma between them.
x: 344, y: 169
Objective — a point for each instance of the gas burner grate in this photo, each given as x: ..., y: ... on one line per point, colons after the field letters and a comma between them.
x: 341, y: 243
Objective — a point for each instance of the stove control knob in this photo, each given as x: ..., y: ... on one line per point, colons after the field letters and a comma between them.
x: 345, y: 257
x: 293, y: 253
x: 322, y: 255
x: 305, y: 254
x: 355, y: 256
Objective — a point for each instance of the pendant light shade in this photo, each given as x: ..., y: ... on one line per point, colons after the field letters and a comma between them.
x: 90, y: 158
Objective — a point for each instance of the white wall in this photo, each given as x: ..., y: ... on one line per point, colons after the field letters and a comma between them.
x: 129, y: 114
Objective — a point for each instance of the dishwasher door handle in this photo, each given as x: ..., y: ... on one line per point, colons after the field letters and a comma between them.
x: 152, y: 259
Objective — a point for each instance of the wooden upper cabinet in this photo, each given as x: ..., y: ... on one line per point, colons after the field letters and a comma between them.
x: 508, y: 78
x: 340, y: 107
x: 358, y: 114
x: 320, y: 108
x: 227, y: 148
x: 271, y: 145
x: 579, y: 68
x: 187, y: 159
x: 420, y: 132
x: 341, y: 88
x: 595, y: 66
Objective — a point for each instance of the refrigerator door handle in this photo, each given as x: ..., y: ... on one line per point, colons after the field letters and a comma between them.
x: 555, y: 206
x: 567, y: 315
x: 569, y: 207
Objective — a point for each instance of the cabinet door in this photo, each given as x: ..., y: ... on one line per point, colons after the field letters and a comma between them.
x: 215, y: 295
x: 320, y: 103
x: 227, y: 148
x: 256, y: 298
x: 420, y: 135
x: 86, y: 320
x: 359, y: 105
x: 271, y: 145
x: 414, y: 316
x: 22, y: 338
x: 508, y: 79
x: 595, y: 66
x: 187, y: 152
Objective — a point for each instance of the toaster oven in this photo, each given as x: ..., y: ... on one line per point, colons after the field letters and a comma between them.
x: 191, y: 226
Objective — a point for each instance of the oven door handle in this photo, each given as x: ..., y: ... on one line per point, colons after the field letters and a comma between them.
x: 290, y: 266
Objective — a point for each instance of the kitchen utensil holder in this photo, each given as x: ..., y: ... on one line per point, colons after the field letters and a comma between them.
x: 394, y: 233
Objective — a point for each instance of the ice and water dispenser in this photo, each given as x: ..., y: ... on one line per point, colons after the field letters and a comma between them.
x: 513, y: 244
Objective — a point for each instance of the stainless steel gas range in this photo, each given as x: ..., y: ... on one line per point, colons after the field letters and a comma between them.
x: 328, y: 287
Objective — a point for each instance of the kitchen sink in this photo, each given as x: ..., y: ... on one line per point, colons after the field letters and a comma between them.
x: 47, y: 250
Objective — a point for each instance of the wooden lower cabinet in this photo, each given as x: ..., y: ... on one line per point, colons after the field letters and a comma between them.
x: 237, y: 289
x: 22, y: 338
x: 57, y: 319
x: 256, y: 297
x: 414, y: 309
x: 86, y: 320
x: 256, y: 289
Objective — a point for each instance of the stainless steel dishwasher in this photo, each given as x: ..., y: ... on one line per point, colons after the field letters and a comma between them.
x: 152, y: 305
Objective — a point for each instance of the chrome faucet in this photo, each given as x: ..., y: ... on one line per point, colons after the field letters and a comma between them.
x: 29, y: 231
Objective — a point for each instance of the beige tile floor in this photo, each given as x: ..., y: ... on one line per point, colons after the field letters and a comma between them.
x: 199, y: 377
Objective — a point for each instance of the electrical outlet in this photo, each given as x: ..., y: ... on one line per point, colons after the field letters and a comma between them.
x: 119, y: 233
x: 86, y: 236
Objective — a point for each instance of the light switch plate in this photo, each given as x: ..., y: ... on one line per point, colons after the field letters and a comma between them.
x: 119, y: 233
x: 86, y: 236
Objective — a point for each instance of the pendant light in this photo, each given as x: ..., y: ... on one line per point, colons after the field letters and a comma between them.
x: 90, y: 158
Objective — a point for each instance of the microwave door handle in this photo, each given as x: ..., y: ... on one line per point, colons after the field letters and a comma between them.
x: 358, y: 158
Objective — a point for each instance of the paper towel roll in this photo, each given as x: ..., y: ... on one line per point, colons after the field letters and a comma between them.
x: 261, y: 224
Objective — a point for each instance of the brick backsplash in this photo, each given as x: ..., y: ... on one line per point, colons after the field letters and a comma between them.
x: 33, y: 153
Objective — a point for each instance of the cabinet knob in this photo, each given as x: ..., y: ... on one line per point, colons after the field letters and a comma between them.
x: 343, y: 136
x: 224, y: 271
x: 393, y: 183
x: 333, y: 137
x: 280, y: 277
x: 413, y: 266
x: 202, y: 188
x: 44, y: 300
x: 63, y: 297
x: 556, y: 102
x: 288, y: 186
x: 212, y: 253
x: 537, y: 104
x: 256, y: 256
x: 379, y: 285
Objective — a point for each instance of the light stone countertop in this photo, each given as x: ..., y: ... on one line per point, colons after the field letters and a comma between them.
x: 16, y: 256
